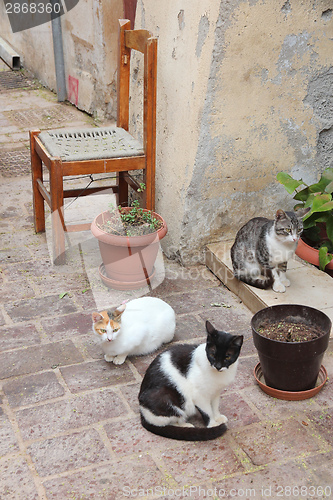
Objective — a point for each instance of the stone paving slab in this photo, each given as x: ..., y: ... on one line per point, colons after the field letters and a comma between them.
x: 116, y: 480
x: 32, y: 389
x: 35, y: 359
x: 69, y: 413
x: 69, y: 421
x: 16, y: 479
x: 58, y: 454
x: 270, y: 442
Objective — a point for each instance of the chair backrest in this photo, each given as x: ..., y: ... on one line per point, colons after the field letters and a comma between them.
x: 142, y: 41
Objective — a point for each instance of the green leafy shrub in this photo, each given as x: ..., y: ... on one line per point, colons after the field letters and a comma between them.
x: 318, y: 222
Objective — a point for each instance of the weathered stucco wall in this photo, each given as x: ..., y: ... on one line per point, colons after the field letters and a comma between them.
x: 186, y: 41
x: 245, y: 90
x: 90, y: 35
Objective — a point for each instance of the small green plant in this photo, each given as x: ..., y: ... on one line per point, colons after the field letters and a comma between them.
x: 133, y: 221
x: 137, y: 216
x: 317, y: 197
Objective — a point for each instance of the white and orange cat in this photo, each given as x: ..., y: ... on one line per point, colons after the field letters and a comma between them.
x: 139, y: 327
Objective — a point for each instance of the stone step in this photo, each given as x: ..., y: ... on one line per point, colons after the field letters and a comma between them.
x: 309, y: 286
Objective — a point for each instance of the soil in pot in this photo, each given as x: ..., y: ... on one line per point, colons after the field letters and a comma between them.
x: 289, y: 331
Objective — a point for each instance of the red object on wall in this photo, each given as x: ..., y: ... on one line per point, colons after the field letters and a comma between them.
x: 73, y: 90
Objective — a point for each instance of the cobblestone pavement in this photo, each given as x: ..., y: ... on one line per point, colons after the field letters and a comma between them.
x: 69, y: 422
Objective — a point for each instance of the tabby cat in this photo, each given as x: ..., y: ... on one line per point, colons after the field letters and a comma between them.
x: 263, y: 247
x: 139, y: 327
x: 186, y: 380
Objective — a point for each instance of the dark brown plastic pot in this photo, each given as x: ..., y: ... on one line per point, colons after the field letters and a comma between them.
x: 291, y: 366
x: 128, y: 260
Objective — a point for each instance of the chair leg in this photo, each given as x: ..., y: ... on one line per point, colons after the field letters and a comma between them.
x: 57, y: 209
x: 37, y: 174
x: 122, y: 189
x: 149, y: 193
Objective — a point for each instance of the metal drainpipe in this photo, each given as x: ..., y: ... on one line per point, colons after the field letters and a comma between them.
x: 9, y: 56
x: 59, y: 57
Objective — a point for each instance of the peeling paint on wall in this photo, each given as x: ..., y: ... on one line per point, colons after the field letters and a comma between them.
x: 181, y: 19
x: 202, y: 34
x: 73, y: 90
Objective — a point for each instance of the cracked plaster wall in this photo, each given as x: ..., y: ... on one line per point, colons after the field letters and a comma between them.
x: 244, y: 91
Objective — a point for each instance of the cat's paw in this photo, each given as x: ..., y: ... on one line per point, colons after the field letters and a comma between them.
x: 220, y: 419
x: 108, y: 358
x: 119, y: 360
x: 285, y: 281
x: 279, y: 287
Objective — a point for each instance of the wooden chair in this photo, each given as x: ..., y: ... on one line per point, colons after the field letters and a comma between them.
x: 99, y: 150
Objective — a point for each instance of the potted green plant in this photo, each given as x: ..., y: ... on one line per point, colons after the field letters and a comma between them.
x: 317, y: 236
x: 291, y: 340
x: 128, y: 240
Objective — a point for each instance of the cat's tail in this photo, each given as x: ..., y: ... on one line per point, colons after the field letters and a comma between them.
x: 185, y: 433
x: 262, y: 282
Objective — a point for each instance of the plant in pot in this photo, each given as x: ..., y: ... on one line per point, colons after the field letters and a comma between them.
x: 291, y: 340
x: 316, y: 243
x: 128, y: 239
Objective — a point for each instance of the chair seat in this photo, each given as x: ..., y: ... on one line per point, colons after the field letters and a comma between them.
x: 90, y: 144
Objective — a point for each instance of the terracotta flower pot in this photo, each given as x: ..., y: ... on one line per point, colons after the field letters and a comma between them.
x: 291, y: 366
x: 310, y: 254
x: 128, y: 261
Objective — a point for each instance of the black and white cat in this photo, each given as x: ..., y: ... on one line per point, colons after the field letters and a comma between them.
x: 186, y: 380
x: 263, y: 247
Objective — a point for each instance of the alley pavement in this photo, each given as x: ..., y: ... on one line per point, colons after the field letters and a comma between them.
x: 69, y: 421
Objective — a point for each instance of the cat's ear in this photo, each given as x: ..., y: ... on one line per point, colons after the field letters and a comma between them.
x: 118, y: 312
x: 302, y: 212
x: 210, y: 329
x: 120, y: 309
x: 96, y: 317
x: 238, y: 340
x: 280, y: 215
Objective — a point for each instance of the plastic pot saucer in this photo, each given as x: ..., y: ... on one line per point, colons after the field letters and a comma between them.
x: 123, y: 285
x: 290, y: 395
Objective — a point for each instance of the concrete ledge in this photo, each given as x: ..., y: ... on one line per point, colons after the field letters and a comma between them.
x: 309, y: 286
